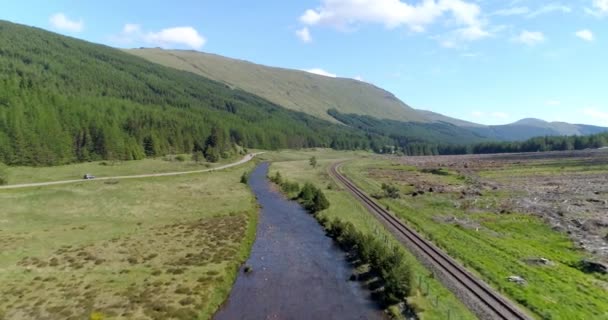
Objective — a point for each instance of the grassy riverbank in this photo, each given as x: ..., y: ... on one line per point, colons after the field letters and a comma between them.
x: 145, y: 248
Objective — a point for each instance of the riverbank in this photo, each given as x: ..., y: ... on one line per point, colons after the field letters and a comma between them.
x: 296, y: 271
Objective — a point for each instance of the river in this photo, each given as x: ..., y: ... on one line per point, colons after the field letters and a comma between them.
x: 298, y: 272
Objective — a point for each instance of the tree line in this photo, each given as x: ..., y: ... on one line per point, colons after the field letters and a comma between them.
x: 538, y: 144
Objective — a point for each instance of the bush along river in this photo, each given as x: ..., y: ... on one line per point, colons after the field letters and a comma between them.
x: 295, y: 271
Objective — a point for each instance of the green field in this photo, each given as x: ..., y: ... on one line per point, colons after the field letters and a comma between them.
x: 18, y: 175
x: 154, y: 248
x: 495, y: 246
x: 430, y: 299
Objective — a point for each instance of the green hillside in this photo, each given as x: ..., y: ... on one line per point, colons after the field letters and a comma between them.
x: 316, y: 95
x: 64, y: 100
x: 292, y: 89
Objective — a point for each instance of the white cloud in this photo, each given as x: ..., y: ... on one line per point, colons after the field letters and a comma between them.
x: 549, y: 8
x: 600, y: 8
x: 131, y: 28
x: 187, y: 36
x: 304, y: 35
x: 553, y: 103
x: 585, y: 34
x: 166, y: 38
x: 472, y: 33
x: 477, y: 114
x: 321, y: 72
x: 61, y: 22
x: 344, y: 14
x: 514, y: 11
x: 359, y: 78
x: 530, y: 38
x: 528, y: 13
x: 596, y: 114
x: 601, y: 5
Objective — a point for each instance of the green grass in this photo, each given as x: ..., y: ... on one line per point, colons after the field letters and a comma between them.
x: 496, y: 246
x: 292, y: 89
x: 18, y: 175
x: 426, y: 290
x: 145, y: 248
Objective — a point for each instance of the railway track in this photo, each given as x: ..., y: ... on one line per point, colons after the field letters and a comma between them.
x: 480, y: 298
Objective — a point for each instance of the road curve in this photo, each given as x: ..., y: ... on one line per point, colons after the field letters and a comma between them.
x: 245, y: 159
x: 476, y: 294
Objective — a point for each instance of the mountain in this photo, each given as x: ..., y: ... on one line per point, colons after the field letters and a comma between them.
x: 351, y: 102
x: 530, y: 127
x: 292, y: 89
x: 64, y: 100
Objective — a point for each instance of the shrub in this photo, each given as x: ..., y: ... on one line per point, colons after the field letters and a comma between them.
x: 388, y: 264
x: 436, y: 171
x: 319, y: 202
x: 180, y: 158
x: 277, y: 178
x: 390, y: 191
x: 245, y: 177
x: 3, y: 174
x: 313, y: 161
x: 290, y: 187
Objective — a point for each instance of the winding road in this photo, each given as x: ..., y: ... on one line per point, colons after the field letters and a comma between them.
x: 484, y: 301
x: 245, y: 159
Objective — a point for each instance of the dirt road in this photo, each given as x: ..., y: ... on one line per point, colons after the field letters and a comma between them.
x: 245, y: 159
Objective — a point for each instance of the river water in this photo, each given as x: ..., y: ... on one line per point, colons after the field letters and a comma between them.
x: 298, y: 272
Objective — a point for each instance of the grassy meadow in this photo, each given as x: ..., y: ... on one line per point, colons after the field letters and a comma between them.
x: 429, y: 298
x: 174, y: 163
x: 495, y: 246
x: 154, y: 248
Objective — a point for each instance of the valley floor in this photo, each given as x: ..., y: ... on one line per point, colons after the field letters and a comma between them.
x: 156, y: 248
x: 170, y: 247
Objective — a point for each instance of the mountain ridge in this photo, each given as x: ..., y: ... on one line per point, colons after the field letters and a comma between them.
x: 316, y: 95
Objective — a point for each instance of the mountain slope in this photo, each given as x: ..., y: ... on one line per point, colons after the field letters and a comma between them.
x: 65, y: 100
x: 349, y: 99
x: 292, y: 89
x: 528, y: 128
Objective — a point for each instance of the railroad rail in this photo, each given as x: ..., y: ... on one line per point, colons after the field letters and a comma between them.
x: 481, y: 299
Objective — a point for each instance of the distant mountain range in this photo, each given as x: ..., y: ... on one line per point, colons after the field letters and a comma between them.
x: 519, y: 130
x: 316, y: 95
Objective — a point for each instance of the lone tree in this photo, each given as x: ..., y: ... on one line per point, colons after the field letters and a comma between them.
x: 3, y: 174
x: 313, y: 161
x: 245, y: 177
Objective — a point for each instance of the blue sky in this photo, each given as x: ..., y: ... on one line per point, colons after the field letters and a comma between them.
x: 486, y: 61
